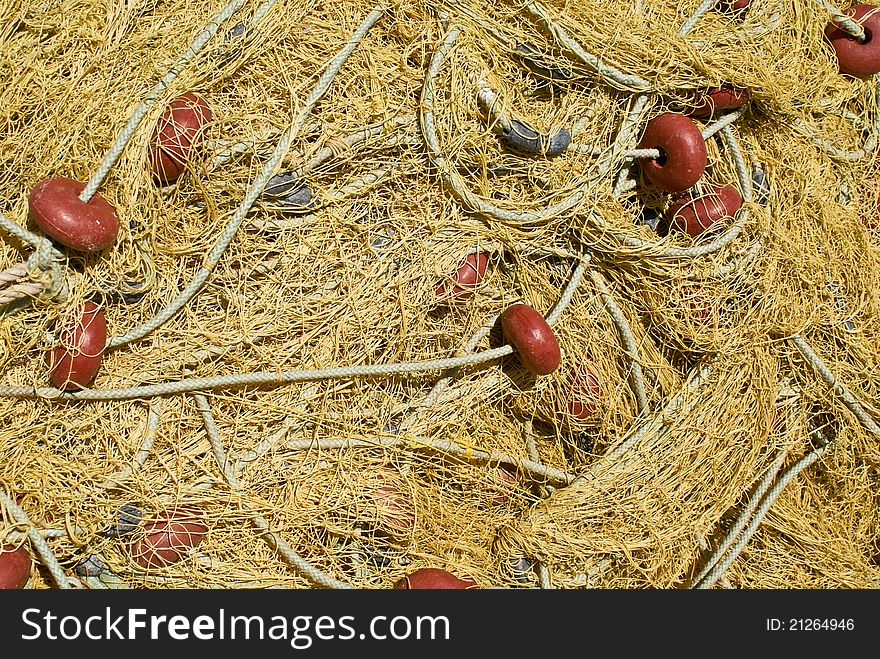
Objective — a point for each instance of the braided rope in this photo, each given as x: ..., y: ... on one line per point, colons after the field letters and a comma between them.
x: 718, y: 571
x: 689, y: 24
x: 539, y: 471
x: 37, y: 542
x: 745, y: 515
x: 631, y: 347
x: 616, y: 78
x: 844, y: 21
x: 453, y: 179
x: 838, y: 387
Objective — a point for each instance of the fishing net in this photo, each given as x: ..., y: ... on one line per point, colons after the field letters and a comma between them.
x: 307, y: 379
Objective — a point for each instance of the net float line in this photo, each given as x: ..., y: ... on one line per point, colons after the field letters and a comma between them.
x: 125, y: 135
x: 482, y: 332
x: 277, y: 378
x: 484, y: 207
x: 256, y: 188
x: 227, y: 468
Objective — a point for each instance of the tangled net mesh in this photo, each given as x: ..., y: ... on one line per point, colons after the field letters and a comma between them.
x: 731, y: 441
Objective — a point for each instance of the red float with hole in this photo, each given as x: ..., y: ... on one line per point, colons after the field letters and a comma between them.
x: 55, y: 207
x: 683, y: 155
x: 533, y: 339
x: 692, y: 214
x: 177, y: 135
x: 82, y: 337
x: 859, y: 59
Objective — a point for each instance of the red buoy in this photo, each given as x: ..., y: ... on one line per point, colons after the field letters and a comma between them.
x: 466, y: 278
x: 855, y: 58
x: 431, y: 578
x: 15, y: 567
x: 83, y: 337
x: 694, y: 214
x: 503, y: 484
x: 683, y: 155
x: 583, y: 394
x: 716, y: 99
x: 166, y: 541
x: 177, y: 134
x: 531, y: 336
x: 394, y: 508
x: 734, y: 7
x: 55, y: 207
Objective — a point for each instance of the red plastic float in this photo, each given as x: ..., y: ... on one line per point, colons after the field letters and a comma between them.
x: 55, y: 207
x: 733, y: 6
x: 395, y: 510
x: 683, y: 155
x: 432, y: 578
x: 716, y: 99
x: 855, y: 58
x: 177, y: 134
x: 466, y: 279
x: 693, y: 215
x: 504, y: 482
x: 83, y: 337
x: 584, y: 386
x: 166, y: 541
x: 15, y: 567
x: 531, y: 336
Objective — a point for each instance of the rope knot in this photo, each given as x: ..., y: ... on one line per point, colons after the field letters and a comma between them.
x: 44, y: 267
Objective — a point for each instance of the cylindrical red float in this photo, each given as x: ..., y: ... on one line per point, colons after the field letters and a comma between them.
x: 177, y: 134
x: 431, y: 578
x: 536, y: 345
x: 165, y: 541
x: 583, y: 393
x: 83, y: 337
x: 15, y: 567
x: 717, y: 99
x: 855, y: 58
x: 466, y: 278
x: 692, y: 214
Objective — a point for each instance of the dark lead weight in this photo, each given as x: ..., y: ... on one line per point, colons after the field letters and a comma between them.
x: 521, y: 568
x: 91, y: 566
x: 238, y: 31
x: 536, y: 62
x: 130, y: 292
x: 760, y: 184
x: 383, y: 238
x: 822, y: 427
x: 128, y: 518
x: 290, y: 193
x: 521, y: 137
x: 651, y: 218
x: 376, y: 556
